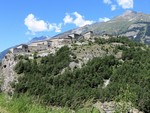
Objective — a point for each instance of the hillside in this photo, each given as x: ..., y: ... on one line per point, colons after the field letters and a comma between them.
x: 134, y: 25
x: 117, y: 71
x: 131, y: 24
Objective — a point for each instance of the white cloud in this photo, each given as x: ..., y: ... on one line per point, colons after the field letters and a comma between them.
x: 125, y: 4
x: 113, y: 7
x: 105, y: 19
x: 34, y: 25
x: 107, y: 1
x: 56, y: 27
x: 79, y: 20
x: 68, y: 19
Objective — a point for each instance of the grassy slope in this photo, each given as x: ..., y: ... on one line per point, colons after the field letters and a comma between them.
x: 24, y: 104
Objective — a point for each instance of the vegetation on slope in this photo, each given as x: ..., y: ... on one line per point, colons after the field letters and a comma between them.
x: 25, y: 104
x: 22, y: 104
x: 42, y: 79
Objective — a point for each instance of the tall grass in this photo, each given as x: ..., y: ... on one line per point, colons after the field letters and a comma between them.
x: 24, y: 104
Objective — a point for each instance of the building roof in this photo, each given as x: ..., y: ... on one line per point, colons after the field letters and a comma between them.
x: 88, y: 32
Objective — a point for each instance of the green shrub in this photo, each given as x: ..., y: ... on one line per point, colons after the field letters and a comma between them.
x: 73, y: 88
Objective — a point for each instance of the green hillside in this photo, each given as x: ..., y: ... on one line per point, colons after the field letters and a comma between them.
x: 125, y: 63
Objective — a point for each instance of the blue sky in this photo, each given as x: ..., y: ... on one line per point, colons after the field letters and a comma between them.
x: 22, y: 20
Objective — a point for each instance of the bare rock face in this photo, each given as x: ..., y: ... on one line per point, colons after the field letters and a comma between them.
x: 73, y: 65
x: 8, y: 75
x: 114, y: 107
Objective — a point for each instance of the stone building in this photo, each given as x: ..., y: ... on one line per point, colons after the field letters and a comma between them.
x: 75, y: 37
x: 22, y: 48
x: 39, y: 46
x: 55, y: 42
x: 59, y: 42
x: 88, y: 35
x: 67, y: 39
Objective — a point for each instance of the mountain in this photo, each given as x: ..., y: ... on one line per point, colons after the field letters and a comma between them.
x: 132, y: 24
x: 113, y: 69
x: 37, y: 39
x: 135, y: 25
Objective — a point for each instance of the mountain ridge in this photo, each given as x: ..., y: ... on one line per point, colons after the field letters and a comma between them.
x: 128, y: 24
x: 38, y: 39
x: 134, y: 25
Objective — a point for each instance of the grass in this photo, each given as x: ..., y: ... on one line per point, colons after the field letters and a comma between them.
x: 23, y: 104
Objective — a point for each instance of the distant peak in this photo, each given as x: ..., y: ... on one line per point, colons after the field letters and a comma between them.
x: 129, y: 12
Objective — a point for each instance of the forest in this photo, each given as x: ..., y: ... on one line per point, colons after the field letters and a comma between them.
x: 129, y: 77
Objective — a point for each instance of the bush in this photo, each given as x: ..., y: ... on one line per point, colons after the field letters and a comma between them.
x: 73, y: 88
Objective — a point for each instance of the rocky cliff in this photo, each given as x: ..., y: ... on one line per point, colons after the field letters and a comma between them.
x: 8, y: 75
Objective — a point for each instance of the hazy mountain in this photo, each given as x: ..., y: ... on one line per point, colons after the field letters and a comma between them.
x: 131, y: 24
x: 38, y: 39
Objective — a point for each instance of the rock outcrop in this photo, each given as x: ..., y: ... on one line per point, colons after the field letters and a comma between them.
x: 116, y: 107
x: 8, y: 75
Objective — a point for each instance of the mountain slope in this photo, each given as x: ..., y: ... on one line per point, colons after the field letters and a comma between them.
x: 131, y: 24
x: 38, y: 39
x: 3, y: 53
x: 134, y: 25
